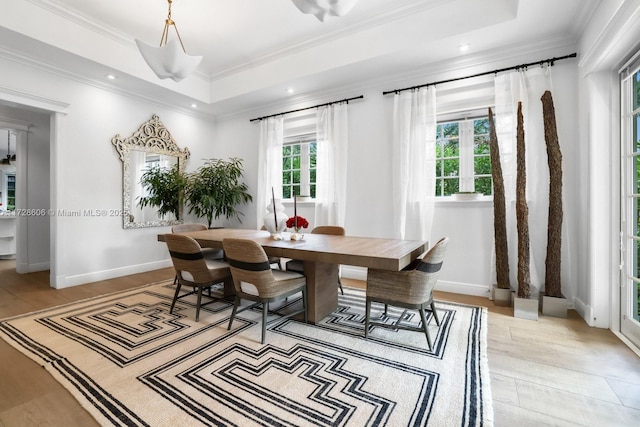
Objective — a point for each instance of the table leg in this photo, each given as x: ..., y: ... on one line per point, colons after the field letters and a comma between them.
x: 322, y: 289
x: 229, y: 289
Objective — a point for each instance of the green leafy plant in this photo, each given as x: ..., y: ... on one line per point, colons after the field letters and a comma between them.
x: 165, y: 188
x: 215, y: 190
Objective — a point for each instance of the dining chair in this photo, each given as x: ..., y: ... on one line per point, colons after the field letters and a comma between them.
x: 273, y: 259
x: 192, y: 269
x: 410, y: 288
x: 255, y: 280
x: 209, y: 253
x: 298, y: 265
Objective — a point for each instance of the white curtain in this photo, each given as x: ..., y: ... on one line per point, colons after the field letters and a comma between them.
x: 526, y: 87
x: 414, y: 150
x: 331, y: 161
x: 269, y: 164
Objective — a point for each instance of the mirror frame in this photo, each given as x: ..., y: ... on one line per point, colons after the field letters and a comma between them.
x: 151, y: 137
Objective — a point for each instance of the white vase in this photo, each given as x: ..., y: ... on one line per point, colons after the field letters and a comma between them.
x: 275, y: 223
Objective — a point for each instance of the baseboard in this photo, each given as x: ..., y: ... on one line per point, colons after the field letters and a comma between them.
x: 463, y: 288
x: 32, y: 268
x: 351, y: 272
x: 584, y: 310
x: 82, y: 279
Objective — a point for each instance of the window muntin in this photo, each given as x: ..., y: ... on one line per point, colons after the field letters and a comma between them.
x: 463, y: 163
x: 299, y: 169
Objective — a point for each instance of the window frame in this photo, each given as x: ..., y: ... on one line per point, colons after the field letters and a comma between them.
x: 466, y: 155
x: 306, y: 181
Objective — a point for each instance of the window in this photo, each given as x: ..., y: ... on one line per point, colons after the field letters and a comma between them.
x: 463, y: 163
x: 299, y: 167
x: 11, y: 192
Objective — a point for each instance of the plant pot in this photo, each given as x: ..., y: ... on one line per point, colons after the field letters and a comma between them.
x: 554, y: 306
x: 525, y: 308
x: 501, y: 297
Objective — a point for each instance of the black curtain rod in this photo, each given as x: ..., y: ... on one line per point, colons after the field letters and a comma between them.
x: 517, y: 67
x: 308, y: 108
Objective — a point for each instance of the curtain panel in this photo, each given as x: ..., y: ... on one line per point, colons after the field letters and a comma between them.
x: 527, y: 87
x: 414, y: 163
x: 269, y: 164
x: 331, y: 165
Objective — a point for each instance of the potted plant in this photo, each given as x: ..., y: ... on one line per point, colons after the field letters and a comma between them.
x: 553, y: 303
x: 215, y: 190
x: 165, y: 188
x: 502, y: 288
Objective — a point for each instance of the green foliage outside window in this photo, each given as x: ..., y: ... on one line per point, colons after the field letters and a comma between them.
x: 448, y: 158
x: 293, y: 174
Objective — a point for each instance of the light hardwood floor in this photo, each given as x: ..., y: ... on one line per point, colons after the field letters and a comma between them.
x: 552, y: 371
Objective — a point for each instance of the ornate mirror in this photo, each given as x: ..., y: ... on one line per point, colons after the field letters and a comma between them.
x: 151, y: 146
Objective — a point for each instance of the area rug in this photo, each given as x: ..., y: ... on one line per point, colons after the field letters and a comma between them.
x: 131, y: 363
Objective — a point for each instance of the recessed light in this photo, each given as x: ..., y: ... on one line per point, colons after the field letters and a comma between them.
x: 290, y: 91
x: 111, y: 77
x: 463, y: 47
x: 194, y: 105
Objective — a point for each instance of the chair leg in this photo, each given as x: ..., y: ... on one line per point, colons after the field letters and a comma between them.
x: 198, y: 303
x: 175, y: 298
x: 265, y: 311
x: 435, y: 313
x: 424, y: 325
x: 366, y: 318
x: 236, y: 303
x: 175, y: 279
x: 340, y: 285
x: 304, y: 305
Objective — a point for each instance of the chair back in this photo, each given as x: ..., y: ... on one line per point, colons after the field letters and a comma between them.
x: 185, y: 228
x: 188, y: 259
x: 250, y: 267
x: 431, y: 262
x: 333, y: 230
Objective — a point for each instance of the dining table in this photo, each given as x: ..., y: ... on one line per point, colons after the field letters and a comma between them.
x: 321, y: 255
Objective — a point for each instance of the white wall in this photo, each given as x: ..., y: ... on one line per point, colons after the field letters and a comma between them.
x: 470, y: 225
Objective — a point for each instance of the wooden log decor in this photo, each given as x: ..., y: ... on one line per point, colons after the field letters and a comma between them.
x: 499, y: 210
x: 553, y: 282
x: 522, y: 212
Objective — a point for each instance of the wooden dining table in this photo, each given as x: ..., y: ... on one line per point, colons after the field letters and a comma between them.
x: 321, y: 255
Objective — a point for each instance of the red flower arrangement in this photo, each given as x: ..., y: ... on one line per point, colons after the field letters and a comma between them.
x: 297, y: 222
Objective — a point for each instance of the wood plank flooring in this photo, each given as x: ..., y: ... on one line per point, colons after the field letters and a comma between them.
x: 550, y: 372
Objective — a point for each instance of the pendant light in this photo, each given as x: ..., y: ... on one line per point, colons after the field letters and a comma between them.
x: 169, y: 60
x: 323, y: 8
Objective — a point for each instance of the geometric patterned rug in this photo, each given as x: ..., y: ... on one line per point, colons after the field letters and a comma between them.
x: 131, y: 363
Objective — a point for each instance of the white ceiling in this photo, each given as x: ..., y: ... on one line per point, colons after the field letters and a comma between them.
x: 254, y: 50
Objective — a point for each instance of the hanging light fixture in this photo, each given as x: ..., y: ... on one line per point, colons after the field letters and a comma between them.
x: 323, y: 8
x: 169, y: 60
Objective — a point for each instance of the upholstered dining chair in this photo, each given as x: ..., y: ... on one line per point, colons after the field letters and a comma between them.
x: 333, y: 230
x: 411, y: 288
x: 192, y: 269
x: 254, y: 280
x: 209, y: 253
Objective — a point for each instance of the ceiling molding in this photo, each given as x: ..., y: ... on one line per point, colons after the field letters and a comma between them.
x: 84, y: 21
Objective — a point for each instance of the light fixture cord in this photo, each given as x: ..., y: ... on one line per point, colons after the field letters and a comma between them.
x: 165, y: 32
